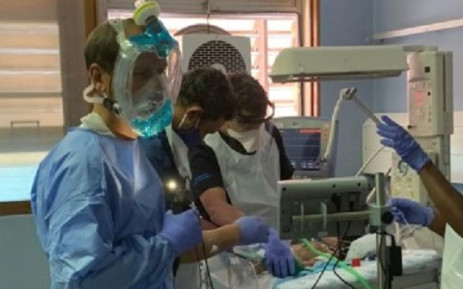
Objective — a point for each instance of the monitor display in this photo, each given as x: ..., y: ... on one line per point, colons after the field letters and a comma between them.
x: 303, y: 147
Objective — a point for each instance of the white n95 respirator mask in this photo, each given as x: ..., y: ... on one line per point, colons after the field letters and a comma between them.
x: 251, y: 139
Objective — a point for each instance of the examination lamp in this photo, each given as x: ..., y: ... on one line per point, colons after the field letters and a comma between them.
x: 297, y: 64
x: 305, y: 64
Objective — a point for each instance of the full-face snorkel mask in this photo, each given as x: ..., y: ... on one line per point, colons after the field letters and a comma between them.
x: 147, y: 73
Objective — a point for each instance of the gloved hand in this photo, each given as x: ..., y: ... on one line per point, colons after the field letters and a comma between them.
x: 408, y: 211
x: 279, y: 259
x: 396, y: 137
x: 183, y: 231
x: 253, y: 230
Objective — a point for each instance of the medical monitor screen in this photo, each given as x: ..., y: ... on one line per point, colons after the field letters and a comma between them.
x: 302, y: 146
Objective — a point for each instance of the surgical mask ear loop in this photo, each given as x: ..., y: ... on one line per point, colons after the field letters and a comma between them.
x: 182, y: 121
x: 197, y: 122
x: 184, y: 118
x: 270, y: 131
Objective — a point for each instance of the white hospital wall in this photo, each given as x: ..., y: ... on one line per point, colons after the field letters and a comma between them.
x: 339, y: 30
x: 381, y: 163
x: 397, y: 15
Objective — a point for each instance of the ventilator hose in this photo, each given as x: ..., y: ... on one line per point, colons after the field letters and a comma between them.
x: 342, y: 264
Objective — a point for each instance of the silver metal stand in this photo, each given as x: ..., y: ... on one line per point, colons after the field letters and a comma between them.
x: 384, y: 280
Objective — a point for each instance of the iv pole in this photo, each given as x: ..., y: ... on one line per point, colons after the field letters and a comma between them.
x: 377, y: 214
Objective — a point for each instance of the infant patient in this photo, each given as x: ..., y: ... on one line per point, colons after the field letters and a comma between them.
x: 328, y: 245
x: 306, y: 256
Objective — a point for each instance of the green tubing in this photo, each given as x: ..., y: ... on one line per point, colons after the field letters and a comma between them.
x: 342, y: 264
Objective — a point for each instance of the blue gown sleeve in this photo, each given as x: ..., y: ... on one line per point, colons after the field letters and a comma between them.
x: 84, y: 252
x: 81, y: 242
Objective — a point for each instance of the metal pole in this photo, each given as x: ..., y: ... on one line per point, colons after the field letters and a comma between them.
x: 365, y: 109
x: 383, y: 282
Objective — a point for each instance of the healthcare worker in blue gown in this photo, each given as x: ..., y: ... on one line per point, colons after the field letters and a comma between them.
x: 446, y: 218
x: 98, y: 204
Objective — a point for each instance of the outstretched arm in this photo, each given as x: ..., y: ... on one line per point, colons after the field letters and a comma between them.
x: 215, y: 203
x: 448, y: 201
x: 244, y: 231
x: 214, y: 242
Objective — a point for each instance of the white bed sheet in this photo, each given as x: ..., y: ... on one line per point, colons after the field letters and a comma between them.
x: 239, y: 273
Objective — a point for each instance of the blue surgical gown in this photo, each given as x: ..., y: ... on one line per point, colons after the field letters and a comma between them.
x: 98, y: 206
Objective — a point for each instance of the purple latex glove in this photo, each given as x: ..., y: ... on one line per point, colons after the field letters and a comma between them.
x: 396, y: 137
x: 279, y: 259
x: 183, y: 231
x: 253, y: 230
x: 411, y: 212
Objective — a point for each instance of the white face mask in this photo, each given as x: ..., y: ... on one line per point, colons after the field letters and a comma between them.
x: 249, y: 139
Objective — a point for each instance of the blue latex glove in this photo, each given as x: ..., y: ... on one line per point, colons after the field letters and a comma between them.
x: 396, y: 137
x: 279, y: 259
x: 253, y: 230
x: 411, y: 212
x: 183, y: 231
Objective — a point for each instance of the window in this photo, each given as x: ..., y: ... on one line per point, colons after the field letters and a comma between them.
x: 269, y: 34
x: 31, y: 114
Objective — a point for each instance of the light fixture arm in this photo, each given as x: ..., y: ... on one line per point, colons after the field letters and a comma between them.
x: 348, y: 93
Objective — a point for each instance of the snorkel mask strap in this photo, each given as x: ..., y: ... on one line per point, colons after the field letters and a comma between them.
x: 90, y: 96
x: 112, y: 105
x: 121, y: 39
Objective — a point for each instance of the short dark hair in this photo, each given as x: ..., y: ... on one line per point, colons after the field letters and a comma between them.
x: 211, y: 90
x: 250, y: 95
x: 102, y: 47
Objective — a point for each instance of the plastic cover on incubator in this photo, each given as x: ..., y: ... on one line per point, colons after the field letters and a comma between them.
x: 229, y: 270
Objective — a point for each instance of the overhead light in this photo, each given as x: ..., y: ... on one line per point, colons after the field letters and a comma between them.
x: 338, y: 63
